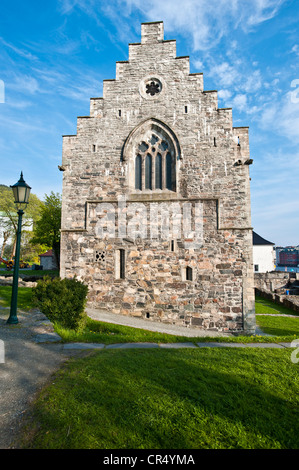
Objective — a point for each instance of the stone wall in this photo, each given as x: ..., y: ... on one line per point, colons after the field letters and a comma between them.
x: 280, y: 287
x: 209, y: 160
x: 8, y: 280
x: 290, y: 301
x: 277, y: 282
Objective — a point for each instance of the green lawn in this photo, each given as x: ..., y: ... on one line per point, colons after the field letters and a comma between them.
x: 204, y: 398
x: 30, y: 272
x: 207, y: 398
x: 268, y: 306
x: 24, y: 297
x: 109, y: 333
x: 283, y: 328
x: 280, y: 328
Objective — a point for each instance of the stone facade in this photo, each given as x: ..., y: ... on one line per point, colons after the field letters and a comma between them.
x: 156, y: 214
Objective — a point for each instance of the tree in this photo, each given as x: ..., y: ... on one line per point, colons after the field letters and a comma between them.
x: 9, y: 217
x: 47, y: 228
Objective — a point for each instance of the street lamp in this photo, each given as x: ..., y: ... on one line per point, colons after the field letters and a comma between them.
x: 21, y: 192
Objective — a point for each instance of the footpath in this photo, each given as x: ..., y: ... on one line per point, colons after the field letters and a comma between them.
x: 31, y: 351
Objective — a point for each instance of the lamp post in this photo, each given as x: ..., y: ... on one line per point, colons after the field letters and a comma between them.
x: 21, y: 192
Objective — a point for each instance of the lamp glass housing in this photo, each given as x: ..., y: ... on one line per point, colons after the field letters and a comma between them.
x: 21, y: 191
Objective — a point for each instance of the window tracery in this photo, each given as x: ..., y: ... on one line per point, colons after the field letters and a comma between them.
x: 156, y: 161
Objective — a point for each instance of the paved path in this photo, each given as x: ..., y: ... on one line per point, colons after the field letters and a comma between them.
x: 32, y: 353
x: 137, y: 322
x: 27, y: 367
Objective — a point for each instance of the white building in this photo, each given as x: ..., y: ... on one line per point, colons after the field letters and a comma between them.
x: 263, y: 254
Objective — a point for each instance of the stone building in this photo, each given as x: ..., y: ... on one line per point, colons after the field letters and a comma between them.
x: 47, y: 260
x: 156, y: 214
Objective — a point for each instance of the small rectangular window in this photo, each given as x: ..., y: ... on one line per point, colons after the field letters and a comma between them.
x: 173, y: 245
x: 256, y: 268
x: 93, y: 148
x: 119, y: 112
x: 120, y: 260
x: 188, y: 273
x: 186, y: 109
x: 122, y: 270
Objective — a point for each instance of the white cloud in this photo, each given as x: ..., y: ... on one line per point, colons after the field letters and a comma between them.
x: 18, y: 104
x: 282, y: 117
x: 67, y: 6
x: 207, y: 20
x: 240, y: 102
x: 295, y: 49
x: 239, y: 84
x: 263, y: 10
x: 253, y: 82
x: 224, y: 94
x: 227, y: 74
x: 198, y: 64
x: 24, y: 84
x: 20, y: 52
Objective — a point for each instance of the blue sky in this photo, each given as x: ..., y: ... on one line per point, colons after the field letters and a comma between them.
x: 54, y: 56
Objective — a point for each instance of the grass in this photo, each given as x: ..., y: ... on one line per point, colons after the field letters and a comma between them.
x: 281, y: 329
x: 24, y: 297
x: 30, y: 272
x: 160, y: 399
x: 269, y: 307
x: 204, y: 398
x: 108, y: 333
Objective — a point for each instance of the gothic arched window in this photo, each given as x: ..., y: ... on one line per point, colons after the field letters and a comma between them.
x: 157, y: 158
x: 152, y: 151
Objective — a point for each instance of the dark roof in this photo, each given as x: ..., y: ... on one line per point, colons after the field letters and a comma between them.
x: 48, y: 253
x: 258, y: 240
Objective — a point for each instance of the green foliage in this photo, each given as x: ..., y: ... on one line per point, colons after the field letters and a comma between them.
x: 62, y: 301
x: 47, y: 228
x: 8, y: 210
x: 9, y: 223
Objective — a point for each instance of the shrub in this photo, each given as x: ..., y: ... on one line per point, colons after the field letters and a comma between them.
x: 62, y: 301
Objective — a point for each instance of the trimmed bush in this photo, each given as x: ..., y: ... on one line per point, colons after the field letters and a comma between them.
x: 62, y: 301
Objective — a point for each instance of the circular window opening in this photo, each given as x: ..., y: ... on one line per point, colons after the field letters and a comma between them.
x: 151, y: 87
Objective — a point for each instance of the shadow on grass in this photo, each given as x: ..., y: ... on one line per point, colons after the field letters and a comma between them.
x: 279, y: 326
x: 172, y: 400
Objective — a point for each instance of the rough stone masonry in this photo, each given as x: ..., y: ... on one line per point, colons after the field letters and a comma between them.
x: 156, y: 214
